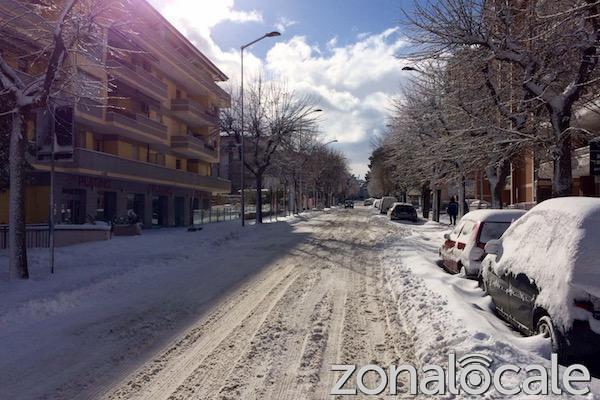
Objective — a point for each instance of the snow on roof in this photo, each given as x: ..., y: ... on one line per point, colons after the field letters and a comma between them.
x: 494, y: 215
x: 581, y: 208
x: 556, y: 245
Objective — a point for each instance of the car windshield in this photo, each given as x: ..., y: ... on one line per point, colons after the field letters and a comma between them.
x: 492, y: 230
x: 403, y: 209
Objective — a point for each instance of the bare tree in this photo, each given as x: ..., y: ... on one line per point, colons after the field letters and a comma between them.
x: 273, y: 117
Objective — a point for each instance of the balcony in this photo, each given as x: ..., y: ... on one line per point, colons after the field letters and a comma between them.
x: 137, y: 127
x: 111, y: 166
x: 176, y: 64
x: 193, y: 113
x: 192, y: 147
x: 138, y: 78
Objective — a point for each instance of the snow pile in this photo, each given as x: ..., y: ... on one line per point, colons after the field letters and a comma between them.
x: 556, y: 245
x: 448, y: 314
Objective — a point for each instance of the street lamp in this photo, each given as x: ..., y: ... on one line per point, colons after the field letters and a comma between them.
x: 409, y: 68
x: 266, y: 35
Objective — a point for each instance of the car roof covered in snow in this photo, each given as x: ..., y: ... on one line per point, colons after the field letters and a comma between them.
x: 556, y: 245
x: 581, y: 208
x: 494, y: 215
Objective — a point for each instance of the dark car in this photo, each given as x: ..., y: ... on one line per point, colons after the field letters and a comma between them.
x: 349, y: 204
x: 543, y: 275
x: 403, y: 211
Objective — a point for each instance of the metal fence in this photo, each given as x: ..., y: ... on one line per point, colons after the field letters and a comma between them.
x: 215, y: 215
x: 221, y: 214
x: 35, y: 236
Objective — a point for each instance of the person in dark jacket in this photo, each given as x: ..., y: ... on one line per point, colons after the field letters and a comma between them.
x: 452, y: 210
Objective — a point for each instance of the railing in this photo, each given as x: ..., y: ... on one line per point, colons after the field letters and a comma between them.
x: 188, y: 105
x: 222, y: 214
x: 35, y: 236
x: 138, y: 77
x: 109, y: 163
x: 175, y: 56
x: 138, y: 122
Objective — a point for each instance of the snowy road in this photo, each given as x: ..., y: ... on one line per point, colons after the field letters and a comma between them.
x: 277, y: 336
x: 256, y: 313
x: 222, y: 313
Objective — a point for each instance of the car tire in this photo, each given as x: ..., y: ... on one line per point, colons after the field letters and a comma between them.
x: 545, y: 327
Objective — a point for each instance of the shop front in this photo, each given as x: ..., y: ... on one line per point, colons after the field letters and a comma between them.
x: 81, y: 199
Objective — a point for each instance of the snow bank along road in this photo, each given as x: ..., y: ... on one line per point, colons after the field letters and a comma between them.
x: 222, y: 313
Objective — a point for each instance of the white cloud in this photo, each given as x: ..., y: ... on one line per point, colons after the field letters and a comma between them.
x: 283, y: 23
x: 352, y: 83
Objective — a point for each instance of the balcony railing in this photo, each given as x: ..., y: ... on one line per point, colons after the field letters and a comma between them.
x: 138, y: 125
x: 193, y: 147
x: 175, y: 57
x: 139, y: 78
x: 193, y: 113
x: 107, y: 164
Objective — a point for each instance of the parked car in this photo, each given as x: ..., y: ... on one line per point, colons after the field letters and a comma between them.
x: 377, y: 203
x: 369, y: 201
x: 463, y: 248
x: 403, y: 211
x: 476, y: 204
x: 386, y: 203
x: 349, y: 204
x: 544, y: 278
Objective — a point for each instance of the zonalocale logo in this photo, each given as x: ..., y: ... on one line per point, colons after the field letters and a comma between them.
x: 472, y: 374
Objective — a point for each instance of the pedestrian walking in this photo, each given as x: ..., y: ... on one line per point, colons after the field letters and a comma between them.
x: 452, y: 210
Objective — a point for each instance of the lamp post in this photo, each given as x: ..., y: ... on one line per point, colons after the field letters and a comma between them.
x: 242, y: 167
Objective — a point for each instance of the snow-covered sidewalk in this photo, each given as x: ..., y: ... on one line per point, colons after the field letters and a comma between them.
x: 449, y: 314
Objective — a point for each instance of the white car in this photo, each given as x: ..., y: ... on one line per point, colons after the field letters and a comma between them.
x: 386, y: 203
x: 463, y: 248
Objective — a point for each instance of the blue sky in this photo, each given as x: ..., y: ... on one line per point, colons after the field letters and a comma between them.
x: 339, y: 52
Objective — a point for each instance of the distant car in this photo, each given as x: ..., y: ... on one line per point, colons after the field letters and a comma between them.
x: 463, y: 248
x: 386, y: 203
x: 543, y: 275
x: 403, y: 211
x: 478, y: 204
x: 349, y: 204
x: 369, y: 201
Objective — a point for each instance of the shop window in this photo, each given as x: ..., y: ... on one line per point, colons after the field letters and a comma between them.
x: 72, y: 207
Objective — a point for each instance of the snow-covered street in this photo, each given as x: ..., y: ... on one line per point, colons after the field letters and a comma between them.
x: 255, y: 313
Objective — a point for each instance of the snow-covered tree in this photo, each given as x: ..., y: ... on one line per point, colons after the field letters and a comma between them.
x: 547, y: 51
x: 54, y: 38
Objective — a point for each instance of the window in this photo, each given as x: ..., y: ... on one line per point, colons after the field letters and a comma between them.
x: 145, y: 109
x: 467, y: 230
x: 178, y: 164
x: 492, y: 230
x: 177, y: 94
x: 98, y: 145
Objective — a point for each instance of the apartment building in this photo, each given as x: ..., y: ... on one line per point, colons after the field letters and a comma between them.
x: 145, y: 140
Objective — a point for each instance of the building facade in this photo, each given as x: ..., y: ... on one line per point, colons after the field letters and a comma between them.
x: 146, y: 141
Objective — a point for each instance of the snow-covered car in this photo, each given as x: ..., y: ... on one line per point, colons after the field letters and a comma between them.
x: 463, y: 248
x: 543, y: 275
x: 368, y: 202
x: 386, y: 203
x: 477, y: 204
x: 402, y: 211
x: 377, y: 203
